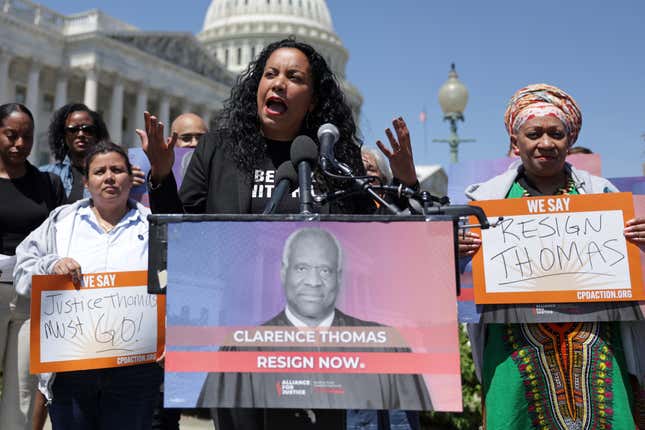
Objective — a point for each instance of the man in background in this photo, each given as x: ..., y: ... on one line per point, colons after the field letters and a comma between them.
x: 189, y: 128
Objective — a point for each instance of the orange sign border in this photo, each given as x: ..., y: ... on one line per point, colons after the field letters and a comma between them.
x: 578, y: 203
x: 42, y: 283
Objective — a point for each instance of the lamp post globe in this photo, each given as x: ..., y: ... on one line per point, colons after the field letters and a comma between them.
x: 453, y: 95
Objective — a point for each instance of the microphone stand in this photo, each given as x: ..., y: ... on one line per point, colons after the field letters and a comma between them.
x: 361, y: 183
x: 304, y: 179
x: 425, y: 202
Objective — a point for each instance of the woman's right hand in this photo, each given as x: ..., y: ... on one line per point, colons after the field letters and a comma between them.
x: 69, y: 266
x: 469, y: 243
x: 400, y: 157
x: 160, y: 153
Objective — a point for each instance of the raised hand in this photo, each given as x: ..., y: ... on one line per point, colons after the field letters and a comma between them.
x: 400, y: 157
x: 160, y: 153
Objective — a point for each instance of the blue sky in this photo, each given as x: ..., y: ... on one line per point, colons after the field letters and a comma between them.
x: 400, y: 54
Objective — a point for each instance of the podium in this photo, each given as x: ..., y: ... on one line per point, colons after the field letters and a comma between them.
x: 390, y: 341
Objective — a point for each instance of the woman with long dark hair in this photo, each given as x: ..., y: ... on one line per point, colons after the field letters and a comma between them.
x: 286, y: 92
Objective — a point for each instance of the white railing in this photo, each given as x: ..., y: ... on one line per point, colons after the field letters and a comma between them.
x: 94, y: 20
x: 33, y: 13
x: 85, y: 22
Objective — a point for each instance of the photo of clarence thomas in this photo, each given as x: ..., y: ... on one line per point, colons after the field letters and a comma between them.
x: 311, y: 274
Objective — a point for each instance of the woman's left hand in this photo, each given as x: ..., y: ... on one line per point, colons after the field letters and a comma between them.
x: 635, y: 232
x: 400, y: 158
x: 138, y: 177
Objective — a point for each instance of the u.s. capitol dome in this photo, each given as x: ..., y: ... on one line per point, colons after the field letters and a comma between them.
x: 235, y: 31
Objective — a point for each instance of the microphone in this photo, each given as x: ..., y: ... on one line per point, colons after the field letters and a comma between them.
x: 287, y: 180
x: 304, y: 155
x: 328, y: 135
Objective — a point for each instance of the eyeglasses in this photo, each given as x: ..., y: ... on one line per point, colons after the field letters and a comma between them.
x: 188, y: 137
x: 85, y: 128
x: 325, y: 272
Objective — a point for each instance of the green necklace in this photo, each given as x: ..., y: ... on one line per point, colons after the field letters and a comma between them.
x: 568, y: 188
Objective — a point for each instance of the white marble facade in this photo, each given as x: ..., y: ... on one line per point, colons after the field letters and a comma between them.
x: 48, y: 59
x: 235, y: 31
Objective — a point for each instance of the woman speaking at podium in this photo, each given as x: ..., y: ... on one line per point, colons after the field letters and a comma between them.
x: 288, y: 91
x: 551, y: 375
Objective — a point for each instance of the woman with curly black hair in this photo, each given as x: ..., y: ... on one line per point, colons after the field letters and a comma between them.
x: 287, y: 91
x: 73, y: 130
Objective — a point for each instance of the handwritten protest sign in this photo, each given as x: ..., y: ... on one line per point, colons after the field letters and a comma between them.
x: 110, y: 321
x: 558, y: 249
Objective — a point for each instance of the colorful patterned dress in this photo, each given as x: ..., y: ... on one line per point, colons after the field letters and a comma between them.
x: 559, y: 376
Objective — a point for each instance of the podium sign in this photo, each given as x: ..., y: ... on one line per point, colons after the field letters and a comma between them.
x: 274, y: 313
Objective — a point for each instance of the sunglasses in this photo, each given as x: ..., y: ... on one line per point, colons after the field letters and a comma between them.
x: 85, y: 128
x: 188, y: 137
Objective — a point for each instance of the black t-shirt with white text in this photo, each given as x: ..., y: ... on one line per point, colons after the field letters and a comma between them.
x: 264, y: 180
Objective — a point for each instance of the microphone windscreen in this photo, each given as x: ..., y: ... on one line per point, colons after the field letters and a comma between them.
x: 287, y: 171
x: 303, y: 148
x: 329, y: 129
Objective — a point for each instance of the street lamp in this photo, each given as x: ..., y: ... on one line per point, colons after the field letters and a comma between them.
x: 453, y: 96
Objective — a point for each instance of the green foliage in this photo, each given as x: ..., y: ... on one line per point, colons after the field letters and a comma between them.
x: 471, y: 417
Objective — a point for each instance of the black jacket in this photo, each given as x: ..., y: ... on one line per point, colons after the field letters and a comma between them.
x: 213, y: 184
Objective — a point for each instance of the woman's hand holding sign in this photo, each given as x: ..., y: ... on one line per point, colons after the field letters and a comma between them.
x: 635, y: 232
x: 469, y: 243
x: 68, y: 266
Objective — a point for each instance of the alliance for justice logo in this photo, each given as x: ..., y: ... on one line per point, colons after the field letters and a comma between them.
x: 292, y: 387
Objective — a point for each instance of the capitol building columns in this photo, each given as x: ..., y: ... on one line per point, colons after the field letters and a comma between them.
x: 115, y: 124
x: 91, y: 94
x: 62, y: 82
x: 48, y: 59
x: 33, y: 96
x: 5, y: 60
x: 164, y: 112
x: 110, y: 65
x: 120, y: 71
x: 141, y: 106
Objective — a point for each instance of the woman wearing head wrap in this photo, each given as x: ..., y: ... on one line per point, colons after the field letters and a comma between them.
x: 559, y: 375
